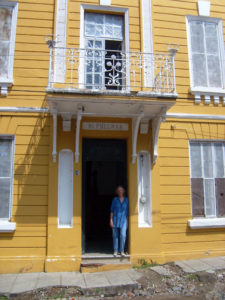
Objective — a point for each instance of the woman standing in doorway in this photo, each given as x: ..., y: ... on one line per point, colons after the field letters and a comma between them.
x: 119, y: 220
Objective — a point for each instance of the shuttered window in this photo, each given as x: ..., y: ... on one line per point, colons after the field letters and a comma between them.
x: 206, y: 52
x: 6, y: 176
x: 207, y: 178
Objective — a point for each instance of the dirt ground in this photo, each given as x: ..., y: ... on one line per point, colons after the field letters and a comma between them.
x: 176, y: 285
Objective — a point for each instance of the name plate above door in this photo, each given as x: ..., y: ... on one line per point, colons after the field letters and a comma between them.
x: 105, y: 126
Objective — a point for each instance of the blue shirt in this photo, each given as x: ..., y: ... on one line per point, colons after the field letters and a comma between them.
x: 119, y: 211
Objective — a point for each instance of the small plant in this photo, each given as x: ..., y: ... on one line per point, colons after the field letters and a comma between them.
x: 60, y: 295
x: 143, y: 263
x: 3, y: 297
x: 191, y: 277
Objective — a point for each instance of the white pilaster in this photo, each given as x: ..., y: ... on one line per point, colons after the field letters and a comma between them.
x: 61, y: 24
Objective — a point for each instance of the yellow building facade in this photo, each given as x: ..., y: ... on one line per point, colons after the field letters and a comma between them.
x: 101, y: 93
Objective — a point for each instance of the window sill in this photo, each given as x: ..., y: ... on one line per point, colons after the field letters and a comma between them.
x: 4, y: 84
x: 6, y: 226
x: 207, y: 223
x: 216, y: 93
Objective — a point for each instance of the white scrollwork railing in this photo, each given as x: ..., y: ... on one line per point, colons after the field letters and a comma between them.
x: 112, y: 70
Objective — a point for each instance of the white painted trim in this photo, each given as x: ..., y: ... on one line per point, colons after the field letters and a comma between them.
x: 202, y: 90
x: 147, y: 38
x: 135, y: 129
x: 54, y: 142
x: 156, y: 123
x: 15, y: 109
x: 144, y: 222
x: 62, y: 196
x: 195, y: 116
x: 204, y: 8
x: 79, y: 117
x: 105, y: 2
x: 102, y: 9
x: 199, y: 223
x: 61, y: 34
x: 6, y: 226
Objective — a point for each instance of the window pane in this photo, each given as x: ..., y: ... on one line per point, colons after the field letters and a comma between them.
x: 4, y: 58
x: 210, y: 201
x: 197, y: 37
x: 212, y: 46
x: 197, y: 196
x: 199, y: 69
x: 219, y: 161
x: 207, y: 161
x: 214, y: 71
x: 4, y: 197
x: 5, y: 157
x: 5, y: 23
x: 196, y: 166
x: 210, y: 29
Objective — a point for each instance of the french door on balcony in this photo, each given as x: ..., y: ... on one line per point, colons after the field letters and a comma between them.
x: 104, y: 43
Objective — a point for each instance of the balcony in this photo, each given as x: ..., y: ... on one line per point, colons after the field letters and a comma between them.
x: 97, y: 71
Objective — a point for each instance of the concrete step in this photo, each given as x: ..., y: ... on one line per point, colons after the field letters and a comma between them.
x: 100, y: 264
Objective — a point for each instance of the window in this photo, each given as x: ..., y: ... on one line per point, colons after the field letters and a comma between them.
x: 6, y: 177
x: 206, y: 52
x: 104, y: 43
x: 8, y: 16
x: 208, y: 178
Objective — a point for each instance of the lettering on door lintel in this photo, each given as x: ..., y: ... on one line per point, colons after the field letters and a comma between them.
x: 105, y: 126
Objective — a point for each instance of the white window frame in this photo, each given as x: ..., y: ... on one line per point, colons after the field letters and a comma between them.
x: 99, y: 9
x: 5, y: 224
x: 8, y: 81
x: 206, y: 222
x: 199, y: 89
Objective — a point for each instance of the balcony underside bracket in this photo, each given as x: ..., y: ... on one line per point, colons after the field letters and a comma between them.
x: 79, y: 117
x: 156, y: 123
x: 135, y: 128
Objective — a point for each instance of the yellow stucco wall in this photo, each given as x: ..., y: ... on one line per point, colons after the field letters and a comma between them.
x: 37, y: 244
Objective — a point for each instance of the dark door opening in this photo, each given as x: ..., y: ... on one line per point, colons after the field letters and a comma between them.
x: 104, y: 167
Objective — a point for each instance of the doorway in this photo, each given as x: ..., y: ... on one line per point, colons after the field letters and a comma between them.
x: 104, y: 167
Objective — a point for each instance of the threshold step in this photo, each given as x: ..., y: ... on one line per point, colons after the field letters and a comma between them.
x: 103, y: 264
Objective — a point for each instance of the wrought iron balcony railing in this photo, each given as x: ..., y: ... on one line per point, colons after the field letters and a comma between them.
x: 97, y: 70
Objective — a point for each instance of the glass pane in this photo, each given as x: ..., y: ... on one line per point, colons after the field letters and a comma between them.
x: 212, y: 46
x: 199, y: 70
x: 210, y: 29
x: 196, y: 166
x: 4, y: 197
x: 219, y: 161
x: 102, y: 26
x: 89, y: 78
x: 4, y: 58
x: 89, y: 30
x: 214, y: 71
x: 197, y: 37
x: 5, y: 23
x: 5, y: 157
x: 207, y: 161
x: 210, y: 201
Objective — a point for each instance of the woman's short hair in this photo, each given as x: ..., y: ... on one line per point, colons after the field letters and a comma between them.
x: 120, y: 187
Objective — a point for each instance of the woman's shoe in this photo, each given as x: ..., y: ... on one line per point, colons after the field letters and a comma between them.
x: 122, y: 254
x: 115, y: 254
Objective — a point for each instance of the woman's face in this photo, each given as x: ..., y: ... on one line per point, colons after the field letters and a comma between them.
x: 120, y: 192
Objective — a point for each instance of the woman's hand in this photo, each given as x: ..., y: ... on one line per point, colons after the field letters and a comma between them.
x: 111, y: 223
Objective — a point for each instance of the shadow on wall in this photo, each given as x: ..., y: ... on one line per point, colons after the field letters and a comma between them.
x: 30, y: 190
